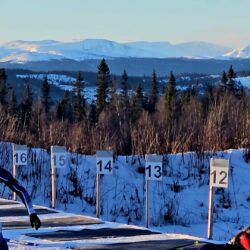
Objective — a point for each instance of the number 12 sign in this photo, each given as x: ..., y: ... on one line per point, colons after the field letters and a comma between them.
x: 219, y: 172
x: 104, y: 161
x: 153, y: 167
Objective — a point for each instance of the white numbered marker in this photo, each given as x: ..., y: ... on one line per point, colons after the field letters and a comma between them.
x: 219, y: 172
x: 20, y: 154
x: 104, y: 162
x: 153, y: 167
x: 58, y: 157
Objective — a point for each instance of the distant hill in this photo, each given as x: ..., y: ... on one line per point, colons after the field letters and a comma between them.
x: 138, y: 66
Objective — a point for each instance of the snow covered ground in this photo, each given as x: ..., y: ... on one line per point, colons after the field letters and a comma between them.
x: 178, y: 203
x: 63, y: 82
x: 24, y: 238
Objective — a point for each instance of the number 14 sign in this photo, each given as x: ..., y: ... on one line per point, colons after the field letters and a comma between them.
x: 219, y: 172
x: 104, y: 161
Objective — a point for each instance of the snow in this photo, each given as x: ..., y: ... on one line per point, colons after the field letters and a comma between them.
x: 178, y: 203
x: 22, y: 51
x: 243, y: 52
x: 245, y: 81
x: 63, y: 82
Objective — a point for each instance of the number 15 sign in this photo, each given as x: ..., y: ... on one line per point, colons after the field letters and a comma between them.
x: 219, y: 172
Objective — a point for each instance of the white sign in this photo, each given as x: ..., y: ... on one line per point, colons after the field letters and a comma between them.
x: 20, y: 154
x: 58, y: 157
x: 153, y: 167
x: 104, y: 161
x: 219, y: 172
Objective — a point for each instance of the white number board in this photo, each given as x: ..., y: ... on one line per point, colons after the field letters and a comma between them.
x: 219, y: 172
x: 153, y: 167
x: 58, y: 157
x: 104, y: 161
x: 20, y: 154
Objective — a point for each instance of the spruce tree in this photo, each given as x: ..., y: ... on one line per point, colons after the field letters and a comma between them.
x: 224, y: 78
x: 170, y: 94
x: 3, y: 91
x: 138, y: 102
x: 124, y: 87
x: 64, y: 108
x: 45, y: 94
x: 79, y: 101
x: 11, y: 102
x: 26, y: 105
x: 139, y: 97
x: 92, y: 117
x: 124, y: 98
x: 113, y: 94
x: 153, y: 95
x: 231, y: 74
x: 103, y: 81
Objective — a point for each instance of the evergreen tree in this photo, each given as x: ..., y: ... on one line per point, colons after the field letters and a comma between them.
x: 124, y: 87
x: 45, y: 94
x: 138, y: 97
x: 92, y: 118
x: 64, y: 108
x: 170, y: 96
x: 26, y: 105
x: 79, y: 101
x: 224, y: 78
x: 138, y: 103
x: 153, y: 95
x: 11, y: 102
x: 113, y: 94
x: 231, y: 74
x: 124, y: 98
x: 103, y: 81
x: 3, y: 91
x: 229, y: 83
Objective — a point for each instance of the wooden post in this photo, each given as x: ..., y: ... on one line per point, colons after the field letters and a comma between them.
x: 53, y: 187
x: 210, y: 213
x: 13, y: 171
x: 53, y: 178
x: 147, y: 204
x: 98, y: 195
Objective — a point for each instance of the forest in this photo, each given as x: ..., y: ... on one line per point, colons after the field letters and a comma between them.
x: 166, y: 120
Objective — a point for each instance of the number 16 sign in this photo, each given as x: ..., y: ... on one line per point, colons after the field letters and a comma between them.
x: 19, y: 154
x: 219, y: 172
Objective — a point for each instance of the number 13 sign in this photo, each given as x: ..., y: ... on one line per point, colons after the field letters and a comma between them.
x: 219, y: 172
x: 153, y: 168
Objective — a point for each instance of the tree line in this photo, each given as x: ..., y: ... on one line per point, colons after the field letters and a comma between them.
x: 129, y: 122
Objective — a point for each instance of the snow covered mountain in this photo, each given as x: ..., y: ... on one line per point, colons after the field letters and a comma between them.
x: 240, y: 52
x: 23, y: 51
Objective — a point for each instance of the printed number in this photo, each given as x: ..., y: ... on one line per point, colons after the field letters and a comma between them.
x: 22, y: 157
x: 157, y: 172
x: 222, y: 176
x: 61, y: 160
x: 107, y: 166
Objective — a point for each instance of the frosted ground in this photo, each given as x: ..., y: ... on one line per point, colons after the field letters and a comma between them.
x: 178, y: 203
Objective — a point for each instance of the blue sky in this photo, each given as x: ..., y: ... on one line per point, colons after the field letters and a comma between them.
x: 223, y: 22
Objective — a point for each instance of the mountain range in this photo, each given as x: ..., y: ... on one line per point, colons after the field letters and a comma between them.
x: 45, y: 50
